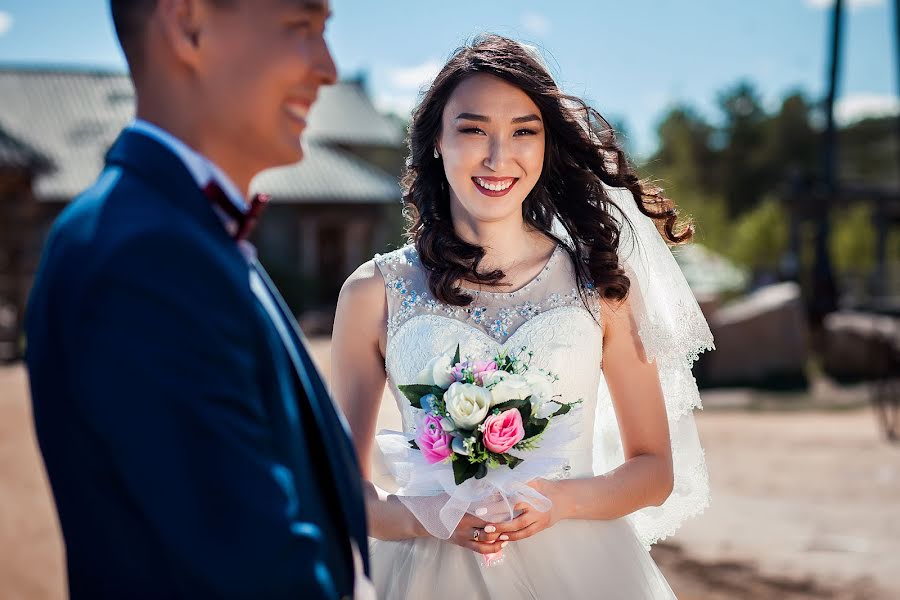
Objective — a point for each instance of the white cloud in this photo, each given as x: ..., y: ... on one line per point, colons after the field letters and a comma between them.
x: 397, y: 103
x: 413, y: 78
x: 535, y: 24
x: 859, y: 106
x: 852, y: 3
x: 6, y: 22
x: 403, y: 85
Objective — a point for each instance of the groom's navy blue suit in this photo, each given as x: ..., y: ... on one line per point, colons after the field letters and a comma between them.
x: 192, y: 452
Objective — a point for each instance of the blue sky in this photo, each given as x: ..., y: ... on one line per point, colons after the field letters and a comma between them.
x: 630, y: 59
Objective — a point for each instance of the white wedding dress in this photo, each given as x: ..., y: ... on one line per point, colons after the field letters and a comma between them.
x: 572, y: 559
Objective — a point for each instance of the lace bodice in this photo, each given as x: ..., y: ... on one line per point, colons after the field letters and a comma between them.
x: 547, y: 316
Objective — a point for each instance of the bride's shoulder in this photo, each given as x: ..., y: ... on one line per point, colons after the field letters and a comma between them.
x: 362, y: 299
x: 364, y: 289
x: 401, y: 259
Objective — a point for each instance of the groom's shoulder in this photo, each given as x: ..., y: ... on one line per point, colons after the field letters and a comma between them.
x: 116, y: 205
x: 122, y: 227
x: 119, y: 210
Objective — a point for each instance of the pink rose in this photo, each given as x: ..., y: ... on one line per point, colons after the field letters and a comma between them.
x: 481, y: 368
x: 503, y: 431
x: 432, y: 440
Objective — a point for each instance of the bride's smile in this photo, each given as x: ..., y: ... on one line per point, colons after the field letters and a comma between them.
x: 494, y: 186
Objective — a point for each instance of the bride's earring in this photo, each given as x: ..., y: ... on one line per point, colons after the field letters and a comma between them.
x: 436, y: 155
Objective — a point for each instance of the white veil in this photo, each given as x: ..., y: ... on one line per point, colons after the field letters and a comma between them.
x: 674, y: 333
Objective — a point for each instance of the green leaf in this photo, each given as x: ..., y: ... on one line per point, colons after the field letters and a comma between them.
x: 415, y: 391
x: 513, y: 404
x: 513, y: 461
x: 481, y: 472
x: 456, y: 358
x: 563, y: 409
x: 463, y: 470
x: 535, y: 427
x: 526, y: 410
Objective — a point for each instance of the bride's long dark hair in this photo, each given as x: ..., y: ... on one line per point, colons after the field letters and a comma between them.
x: 581, y: 152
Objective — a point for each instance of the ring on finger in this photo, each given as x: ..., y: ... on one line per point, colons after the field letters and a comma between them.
x: 475, y: 533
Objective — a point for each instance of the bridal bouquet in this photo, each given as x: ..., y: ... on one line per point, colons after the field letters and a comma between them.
x: 476, y: 413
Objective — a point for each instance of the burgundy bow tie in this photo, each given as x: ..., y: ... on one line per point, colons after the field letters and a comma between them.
x: 246, y: 221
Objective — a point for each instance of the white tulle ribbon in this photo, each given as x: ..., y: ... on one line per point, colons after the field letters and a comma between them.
x: 431, y: 494
x: 673, y: 332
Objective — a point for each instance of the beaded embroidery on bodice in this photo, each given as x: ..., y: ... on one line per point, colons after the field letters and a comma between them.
x: 498, y: 314
x: 547, y: 316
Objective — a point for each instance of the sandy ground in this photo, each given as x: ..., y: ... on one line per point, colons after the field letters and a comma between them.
x: 806, y: 504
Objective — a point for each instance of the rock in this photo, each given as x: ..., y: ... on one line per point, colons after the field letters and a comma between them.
x: 761, y: 340
x: 860, y: 345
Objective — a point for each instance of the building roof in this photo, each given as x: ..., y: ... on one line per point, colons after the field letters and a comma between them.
x: 344, y: 114
x: 330, y: 175
x: 72, y: 116
x: 15, y: 154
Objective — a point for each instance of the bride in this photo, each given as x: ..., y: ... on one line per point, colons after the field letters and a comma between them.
x: 528, y: 228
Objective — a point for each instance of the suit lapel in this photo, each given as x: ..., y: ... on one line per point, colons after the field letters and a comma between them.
x: 338, y: 450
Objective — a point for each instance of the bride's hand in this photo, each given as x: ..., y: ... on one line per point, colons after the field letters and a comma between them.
x: 488, y: 535
x: 530, y: 520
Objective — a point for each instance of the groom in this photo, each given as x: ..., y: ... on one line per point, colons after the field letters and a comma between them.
x: 191, y: 446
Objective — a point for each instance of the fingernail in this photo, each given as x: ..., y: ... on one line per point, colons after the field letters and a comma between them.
x: 503, y: 545
x: 490, y: 529
x: 502, y: 537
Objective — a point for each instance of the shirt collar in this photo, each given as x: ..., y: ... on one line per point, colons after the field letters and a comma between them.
x: 201, y: 168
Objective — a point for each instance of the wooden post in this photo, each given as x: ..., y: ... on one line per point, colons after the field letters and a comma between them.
x: 824, y: 289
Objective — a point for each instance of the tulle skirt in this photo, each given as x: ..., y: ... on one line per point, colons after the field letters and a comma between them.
x: 600, y: 560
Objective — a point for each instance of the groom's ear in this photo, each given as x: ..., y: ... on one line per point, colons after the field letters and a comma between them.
x: 182, y: 24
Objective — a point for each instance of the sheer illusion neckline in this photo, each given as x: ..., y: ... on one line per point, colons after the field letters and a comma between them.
x: 526, y: 286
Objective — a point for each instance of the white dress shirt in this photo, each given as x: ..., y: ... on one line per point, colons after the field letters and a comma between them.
x: 201, y: 168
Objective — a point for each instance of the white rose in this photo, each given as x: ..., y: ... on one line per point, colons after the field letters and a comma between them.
x: 468, y: 404
x: 542, y: 405
x: 437, y: 372
x: 545, y: 410
x: 541, y: 387
x: 511, y: 387
x: 492, y: 377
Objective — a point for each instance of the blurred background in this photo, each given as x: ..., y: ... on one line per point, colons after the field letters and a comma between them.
x: 774, y: 124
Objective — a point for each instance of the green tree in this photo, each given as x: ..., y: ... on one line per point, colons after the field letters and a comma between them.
x: 852, y: 244
x: 868, y: 151
x: 759, y: 237
x: 792, y: 144
x: 685, y: 166
x: 743, y: 154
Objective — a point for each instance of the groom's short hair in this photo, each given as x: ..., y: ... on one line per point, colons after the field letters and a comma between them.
x: 130, y: 20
